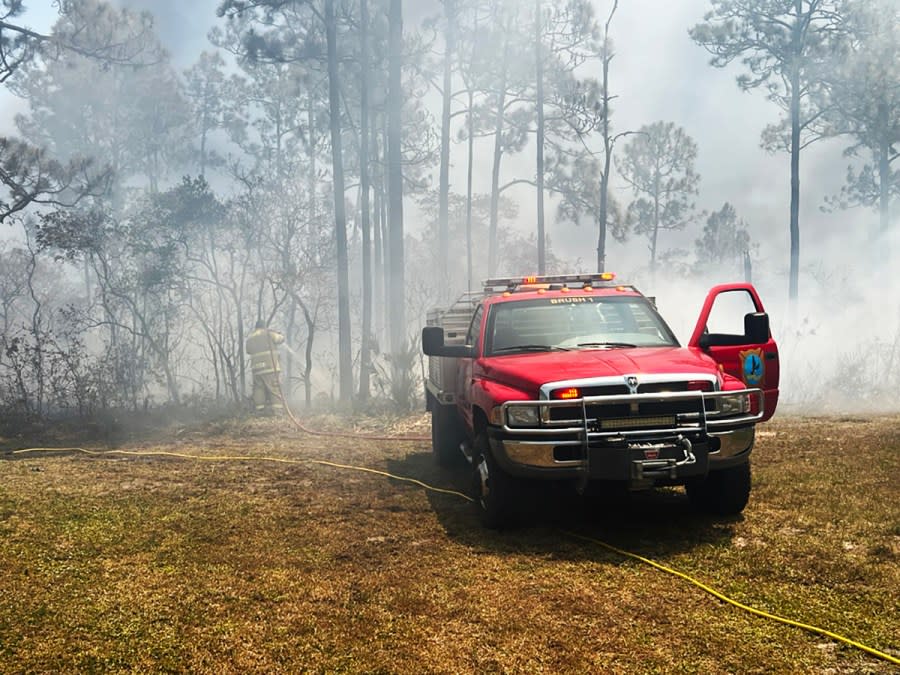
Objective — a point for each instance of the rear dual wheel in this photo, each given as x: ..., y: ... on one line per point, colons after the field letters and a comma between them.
x: 446, y: 435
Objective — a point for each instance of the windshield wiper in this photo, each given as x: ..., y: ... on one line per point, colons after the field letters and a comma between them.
x: 531, y: 348
x: 611, y: 345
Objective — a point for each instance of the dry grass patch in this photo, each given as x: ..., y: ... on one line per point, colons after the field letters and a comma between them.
x: 161, y: 564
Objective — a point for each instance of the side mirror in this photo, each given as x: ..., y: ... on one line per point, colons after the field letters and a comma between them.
x: 433, y: 344
x: 432, y: 339
x: 756, y: 328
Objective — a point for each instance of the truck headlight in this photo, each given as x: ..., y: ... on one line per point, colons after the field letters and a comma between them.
x: 736, y: 404
x: 522, y: 416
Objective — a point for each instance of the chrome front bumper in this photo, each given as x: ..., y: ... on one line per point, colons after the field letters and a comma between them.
x: 540, y: 454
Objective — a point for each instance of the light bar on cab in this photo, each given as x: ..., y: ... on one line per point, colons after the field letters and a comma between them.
x: 588, y: 279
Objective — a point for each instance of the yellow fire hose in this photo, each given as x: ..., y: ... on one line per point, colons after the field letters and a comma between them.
x: 668, y: 570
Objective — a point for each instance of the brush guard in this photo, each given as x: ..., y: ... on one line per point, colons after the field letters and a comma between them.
x: 660, y: 444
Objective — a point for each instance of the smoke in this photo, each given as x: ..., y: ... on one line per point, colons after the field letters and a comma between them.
x: 840, y: 346
x: 181, y: 26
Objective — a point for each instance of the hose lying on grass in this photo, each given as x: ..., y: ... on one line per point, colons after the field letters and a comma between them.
x: 668, y: 570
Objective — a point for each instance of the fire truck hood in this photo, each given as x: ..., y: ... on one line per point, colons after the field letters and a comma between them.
x: 527, y: 372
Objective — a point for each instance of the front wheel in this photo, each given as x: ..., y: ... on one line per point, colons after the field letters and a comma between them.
x: 495, y: 491
x: 722, y: 493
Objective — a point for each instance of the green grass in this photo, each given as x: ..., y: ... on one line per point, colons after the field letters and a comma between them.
x: 157, y: 564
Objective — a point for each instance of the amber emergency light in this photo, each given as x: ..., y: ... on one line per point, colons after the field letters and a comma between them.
x: 572, y: 280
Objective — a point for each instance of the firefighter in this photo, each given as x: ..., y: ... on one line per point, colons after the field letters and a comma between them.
x: 262, y: 348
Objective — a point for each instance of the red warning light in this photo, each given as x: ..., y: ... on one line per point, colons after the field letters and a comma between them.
x: 567, y: 394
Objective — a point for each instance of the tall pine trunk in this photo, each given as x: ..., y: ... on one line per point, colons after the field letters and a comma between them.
x: 364, y: 357
x: 312, y: 177
x: 499, y: 122
x: 470, y: 121
x: 307, y: 370
x: 444, y: 181
x: 794, y: 278
x: 345, y: 362
x: 385, y: 289
x: 655, y: 237
x: 607, y: 148
x: 539, y: 170
x: 794, y: 274
x: 378, y: 281
x: 395, y: 198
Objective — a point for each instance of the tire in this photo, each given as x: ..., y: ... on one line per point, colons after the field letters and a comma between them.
x: 446, y: 435
x: 495, y: 492
x: 722, y: 493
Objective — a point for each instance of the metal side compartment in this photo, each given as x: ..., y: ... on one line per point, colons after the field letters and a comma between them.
x: 455, y: 319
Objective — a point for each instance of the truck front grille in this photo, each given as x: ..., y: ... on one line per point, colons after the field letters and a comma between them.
x: 636, y: 422
x: 630, y: 410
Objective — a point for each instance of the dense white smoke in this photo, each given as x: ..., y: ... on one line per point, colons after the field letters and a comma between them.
x: 840, y: 345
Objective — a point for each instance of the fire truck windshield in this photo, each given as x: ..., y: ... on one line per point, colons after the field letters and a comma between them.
x: 575, y: 322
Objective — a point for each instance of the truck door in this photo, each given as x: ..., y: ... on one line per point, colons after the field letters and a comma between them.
x: 721, y: 332
x: 464, y: 374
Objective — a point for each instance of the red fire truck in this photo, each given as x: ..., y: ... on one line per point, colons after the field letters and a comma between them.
x: 578, y: 379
